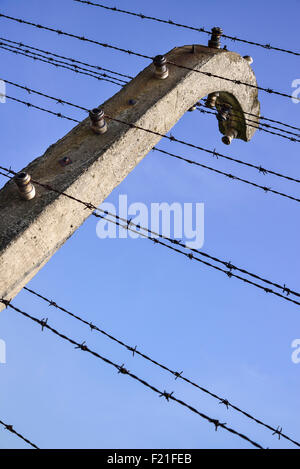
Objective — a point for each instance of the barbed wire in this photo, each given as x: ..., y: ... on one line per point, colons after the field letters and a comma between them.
x: 71, y: 59
x: 65, y: 65
x: 261, y: 169
x: 81, y: 38
x: 178, y: 375
x: 197, y: 147
x: 144, y: 56
x: 272, y: 120
x: 235, y: 81
x: 58, y: 65
x: 123, y: 371
x: 234, y: 117
x: 11, y: 429
x: 76, y: 69
x: 151, y: 235
x: 36, y: 55
x: 20, y: 44
x: 229, y: 175
x: 57, y: 100
x: 201, y: 30
x: 30, y: 105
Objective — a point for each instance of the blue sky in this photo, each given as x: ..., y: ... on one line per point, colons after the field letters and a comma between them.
x: 228, y: 337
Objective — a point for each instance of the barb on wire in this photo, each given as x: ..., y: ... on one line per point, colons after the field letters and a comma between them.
x: 71, y: 59
x: 11, y: 429
x: 229, y: 175
x: 200, y: 30
x: 144, y: 56
x: 177, y: 374
x: 60, y: 65
x: 124, y: 371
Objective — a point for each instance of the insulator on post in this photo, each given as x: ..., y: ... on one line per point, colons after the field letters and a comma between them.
x: 224, y: 112
x: 211, y: 100
x: 248, y: 59
x: 161, y: 68
x: 230, y: 135
x: 193, y: 108
x: 214, y: 41
x: 26, y: 188
x: 98, y: 123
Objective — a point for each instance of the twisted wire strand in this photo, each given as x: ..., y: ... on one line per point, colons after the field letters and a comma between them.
x: 178, y: 375
x: 153, y: 237
x: 33, y: 54
x: 58, y: 65
x: 123, y: 371
x: 71, y: 59
x: 201, y: 30
x: 228, y: 175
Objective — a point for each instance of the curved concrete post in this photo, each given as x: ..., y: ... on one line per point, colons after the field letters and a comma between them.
x: 32, y: 231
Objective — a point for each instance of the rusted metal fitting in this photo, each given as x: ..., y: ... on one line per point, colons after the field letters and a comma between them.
x: 224, y: 112
x: 214, y: 41
x: 98, y: 123
x: 26, y: 188
x: 211, y: 100
x: 161, y: 69
x: 248, y: 59
x: 231, y: 133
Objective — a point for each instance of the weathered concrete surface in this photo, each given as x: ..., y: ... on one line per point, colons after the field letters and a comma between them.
x: 32, y: 231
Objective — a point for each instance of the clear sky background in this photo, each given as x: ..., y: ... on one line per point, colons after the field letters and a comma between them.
x: 229, y: 337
